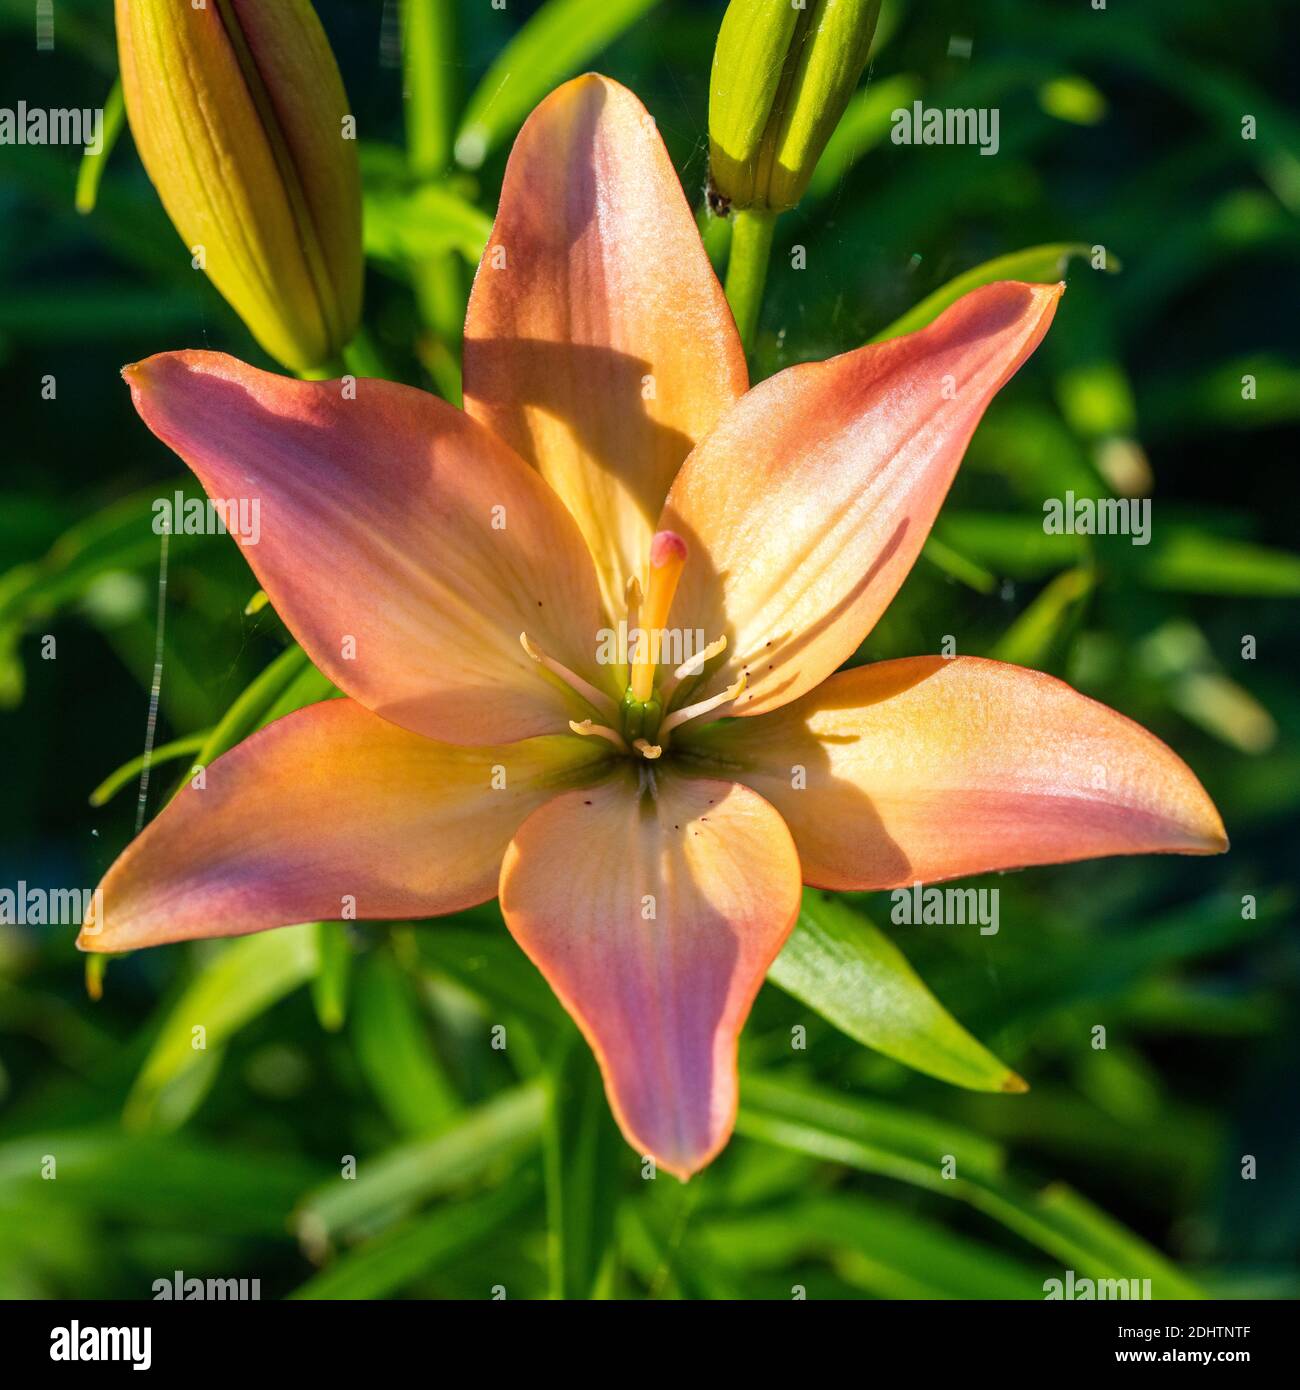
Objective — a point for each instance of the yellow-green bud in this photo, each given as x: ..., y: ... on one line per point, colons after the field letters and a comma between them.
x: 783, y: 72
x: 240, y: 117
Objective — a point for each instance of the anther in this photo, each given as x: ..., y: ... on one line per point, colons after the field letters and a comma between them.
x: 587, y: 729
x: 680, y: 716
x: 647, y: 749
x: 692, y: 666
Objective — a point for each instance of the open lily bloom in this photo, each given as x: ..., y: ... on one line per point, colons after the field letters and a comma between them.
x: 647, y: 815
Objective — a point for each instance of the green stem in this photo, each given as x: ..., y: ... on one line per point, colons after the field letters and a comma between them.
x: 428, y: 57
x: 440, y: 293
x: 751, y: 245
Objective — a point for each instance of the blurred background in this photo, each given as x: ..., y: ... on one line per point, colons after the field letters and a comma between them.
x: 1173, y: 373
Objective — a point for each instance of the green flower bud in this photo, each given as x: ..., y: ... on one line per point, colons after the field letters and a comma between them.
x: 783, y: 72
x: 239, y: 114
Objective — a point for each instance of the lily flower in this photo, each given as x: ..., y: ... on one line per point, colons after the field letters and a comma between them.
x: 647, y: 817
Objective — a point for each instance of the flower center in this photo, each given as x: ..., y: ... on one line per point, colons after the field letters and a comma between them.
x: 641, y: 725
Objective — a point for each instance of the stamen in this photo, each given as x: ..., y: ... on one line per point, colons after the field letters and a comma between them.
x: 647, y: 749
x: 702, y: 707
x: 697, y: 662
x: 667, y: 558
x: 691, y: 667
x: 588, y: 729
x: 597, y: 699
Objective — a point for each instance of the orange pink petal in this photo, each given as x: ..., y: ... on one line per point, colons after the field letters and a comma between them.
x: 328, y: 813
x: 807, y: 506
x: 402, y: 543
x: 654, y: 918
x: 926, y: 768
x: 598, y: 342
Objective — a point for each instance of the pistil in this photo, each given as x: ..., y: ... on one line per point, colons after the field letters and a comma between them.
x: 667, y: 559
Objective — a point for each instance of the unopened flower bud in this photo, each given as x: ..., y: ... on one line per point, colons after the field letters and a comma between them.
x: 783, y: 72
x: 241, y: 120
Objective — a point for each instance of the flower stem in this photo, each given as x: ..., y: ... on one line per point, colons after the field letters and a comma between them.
x: 751, y: 245
x: 429, y: 59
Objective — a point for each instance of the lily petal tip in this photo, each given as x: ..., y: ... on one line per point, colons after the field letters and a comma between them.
x: 1215, y: 838
x: 1202, y: 825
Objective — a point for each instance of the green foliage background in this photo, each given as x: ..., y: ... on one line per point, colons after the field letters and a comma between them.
x: 480, y: 1168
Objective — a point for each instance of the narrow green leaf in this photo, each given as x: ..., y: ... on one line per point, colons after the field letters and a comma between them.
x: 582, y: 1150
x: 387, y: 1264
x: 262, y: 700
x: 1065, y: 1224
x: 838, y: 963
x: 1188, y: 559
x: 878, y: 1246
x: 119, y: 536
x: 1009, y: 544
x: 870, y: 1135
x: 152, y: 1180
x: 238, y: 982
x: 329, y: 985
x: 93, y: 163
x: 394, y: 1049
x: 550, y: 47
x: 501, y: 1130
x: 1036, y: 264
x: 408, y: 227
x: 1038, y: 634
x: 957, y: 566
x: 894, y: 1143
x: 489, y: 964
x: 129, y: 771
